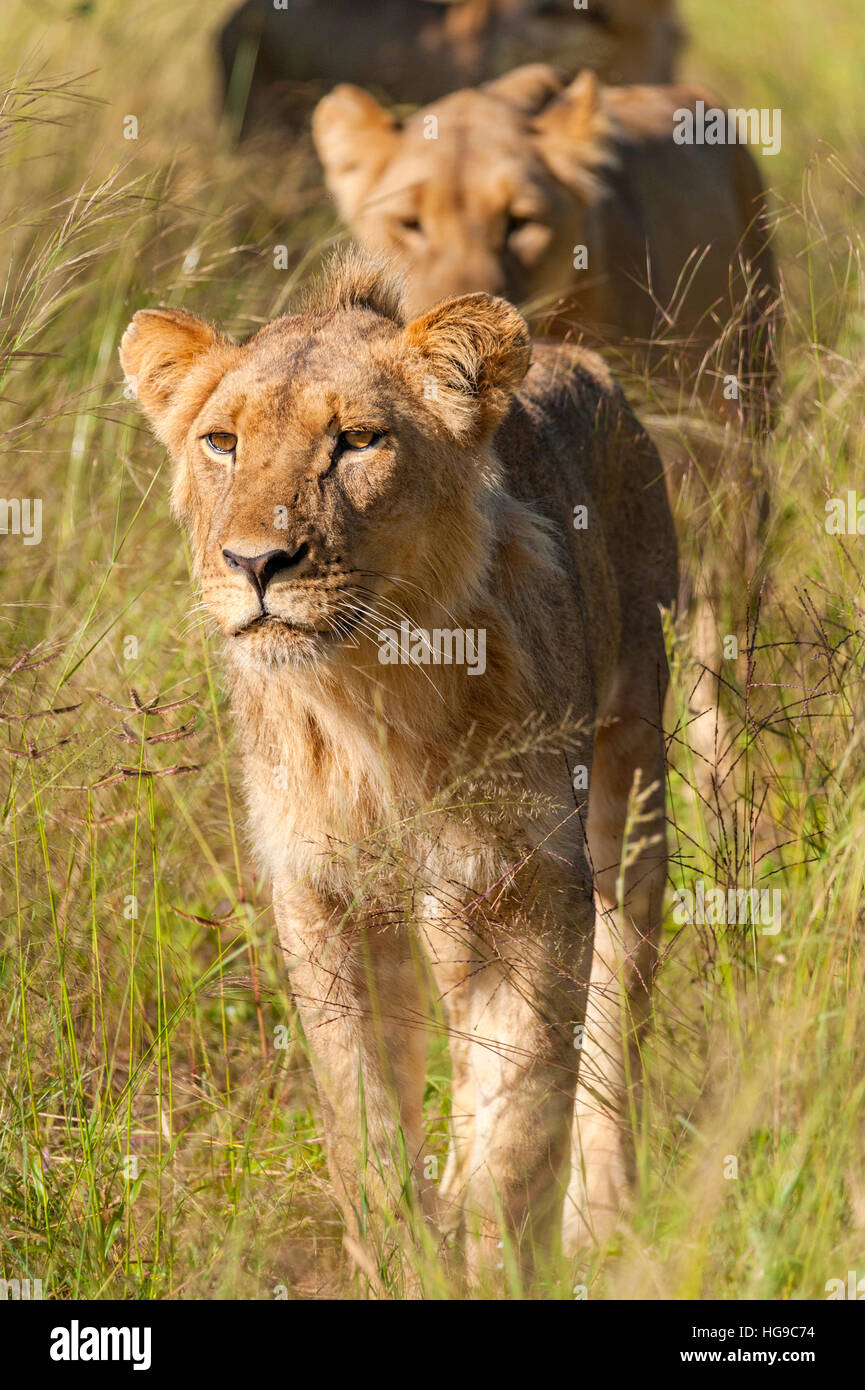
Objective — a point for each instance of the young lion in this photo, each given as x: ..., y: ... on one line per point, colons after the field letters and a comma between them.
x: 355, y: 487
x: 576, y: 200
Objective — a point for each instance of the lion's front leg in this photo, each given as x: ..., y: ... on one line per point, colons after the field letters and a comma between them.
x: 358, y: 989
x: 627, y: 837
x: 514, y: 991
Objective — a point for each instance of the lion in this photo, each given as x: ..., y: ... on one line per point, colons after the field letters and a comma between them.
x: 577, y: 202
x: 276, y: 60
x: 355, y: 483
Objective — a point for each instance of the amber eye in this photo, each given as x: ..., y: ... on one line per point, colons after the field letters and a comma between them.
x: 358, y: 439
x: 221, y: 442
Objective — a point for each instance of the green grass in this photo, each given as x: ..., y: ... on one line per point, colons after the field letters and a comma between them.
x: 144, y: 999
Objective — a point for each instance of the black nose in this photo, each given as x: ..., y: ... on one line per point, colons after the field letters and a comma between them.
x: 260, y: 569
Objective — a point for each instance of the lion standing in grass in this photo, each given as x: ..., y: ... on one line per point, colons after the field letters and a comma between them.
x: 341, y: 474
x: 577, y: 201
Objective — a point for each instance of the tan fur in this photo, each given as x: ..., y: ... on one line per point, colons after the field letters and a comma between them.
x: 418, y: 821
x: 524, y: 170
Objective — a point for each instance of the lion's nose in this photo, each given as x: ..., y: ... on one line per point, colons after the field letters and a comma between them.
x: 260, y: 569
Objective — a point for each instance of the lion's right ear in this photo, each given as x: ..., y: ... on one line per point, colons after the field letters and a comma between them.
x: 355, y: 138
x: 476, y: 350
x: 171, y: 361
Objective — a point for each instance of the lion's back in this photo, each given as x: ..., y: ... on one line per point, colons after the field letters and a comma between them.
x: 574, y: 451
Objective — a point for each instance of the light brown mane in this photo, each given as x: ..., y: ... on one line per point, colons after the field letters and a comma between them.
x: 355, y: 280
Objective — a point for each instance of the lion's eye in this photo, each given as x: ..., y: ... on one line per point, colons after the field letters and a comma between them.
x: 516, y: 224
x: 527, y: 237
x: 410, y: 224
x: 358, y: 439
x: 221, y: 442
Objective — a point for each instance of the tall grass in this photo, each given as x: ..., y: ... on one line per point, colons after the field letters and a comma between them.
x: 159, y: 1135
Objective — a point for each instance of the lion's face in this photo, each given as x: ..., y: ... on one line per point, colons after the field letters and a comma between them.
x: 472, y: 193
x: 307, y: 489
x: 325, y: 467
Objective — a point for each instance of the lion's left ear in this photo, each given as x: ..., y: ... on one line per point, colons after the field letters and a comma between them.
x: 576, y: 137
x: 478, y: 349
x: 172, y: 361
x: 529, y: 88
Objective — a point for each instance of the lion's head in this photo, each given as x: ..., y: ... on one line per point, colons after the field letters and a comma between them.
x: 330, y: 470
x: 489, y: 189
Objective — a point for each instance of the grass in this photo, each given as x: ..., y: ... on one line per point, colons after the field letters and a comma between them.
x: 160, y: 1136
